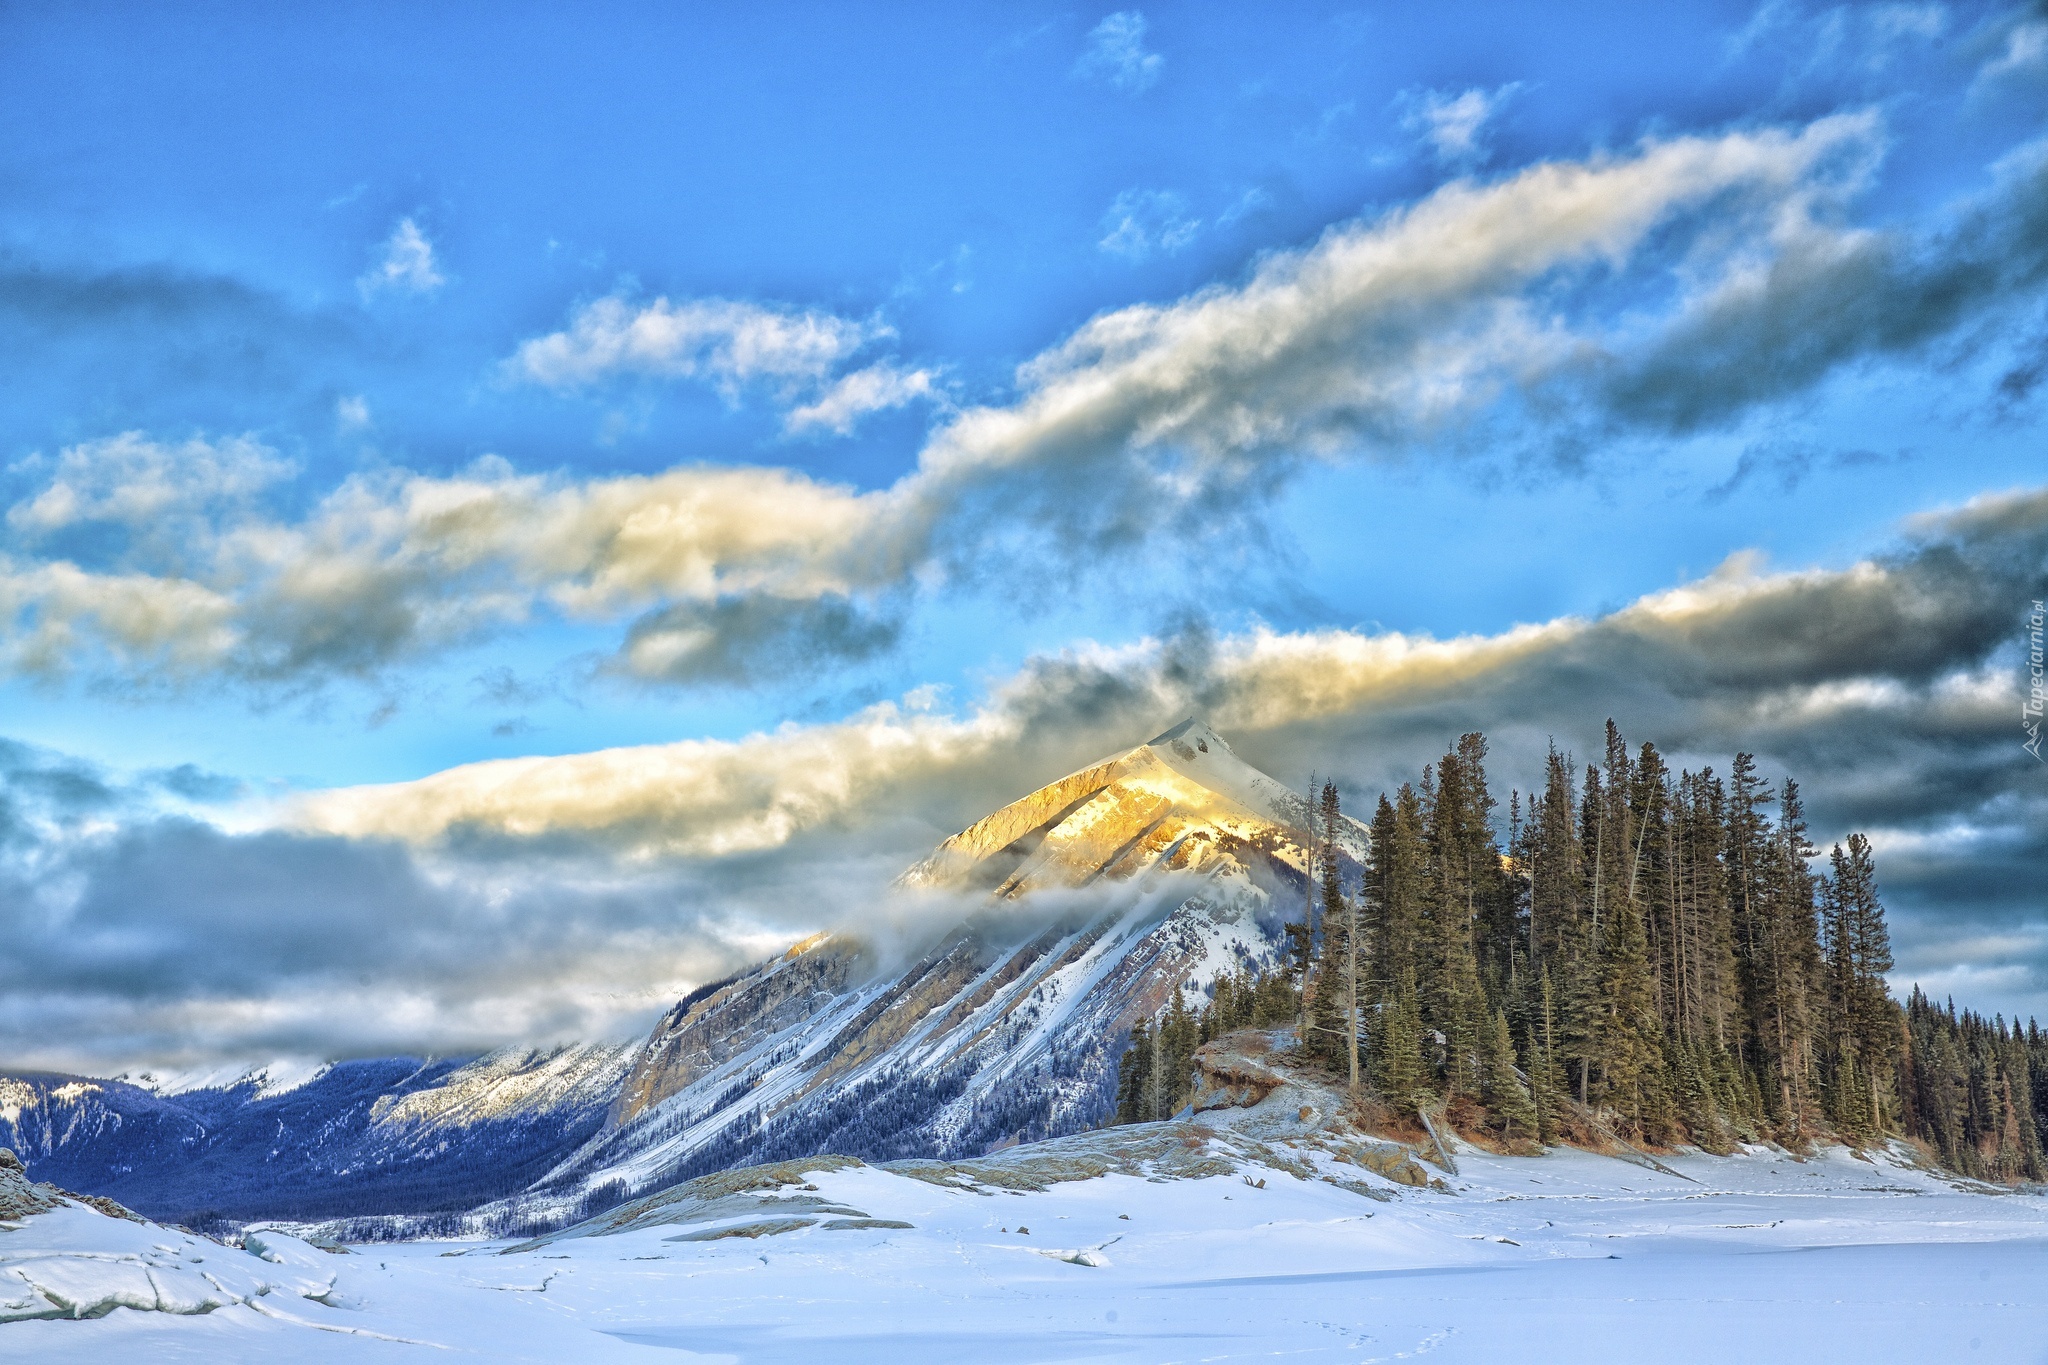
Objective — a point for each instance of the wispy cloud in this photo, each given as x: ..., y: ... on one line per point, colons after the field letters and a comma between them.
x: 853, y: 396
x: 797, y: 355
x: 1116, y: 54
x: 2024, y: 51
x: 1140, y: 222
x: 1454, y: 126
x: 405, y: 264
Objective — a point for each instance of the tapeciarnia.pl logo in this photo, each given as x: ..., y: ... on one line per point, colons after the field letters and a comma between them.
x: 2037, y: 690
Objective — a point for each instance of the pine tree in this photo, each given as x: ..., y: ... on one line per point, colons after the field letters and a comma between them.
x: 1546, y: 1077
x: 1333, y: 1008
x: 1394, y: 886
x: 1503, y: 1095
x: 1397, y: 1063
x: 1134, y: 1077
x: 1462, y: 874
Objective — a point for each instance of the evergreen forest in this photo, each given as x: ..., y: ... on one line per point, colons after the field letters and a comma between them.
x: 1634, y: 953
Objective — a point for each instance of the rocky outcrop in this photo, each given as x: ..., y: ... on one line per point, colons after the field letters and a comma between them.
x: 1251, y: 1082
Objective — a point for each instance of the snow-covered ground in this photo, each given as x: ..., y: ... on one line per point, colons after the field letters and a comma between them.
x: 1566, y: 1257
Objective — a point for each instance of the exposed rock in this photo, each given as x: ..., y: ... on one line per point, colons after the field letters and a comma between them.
x: 766, y: 1228
x: 1250, y: 1082
x: 861, y: 1224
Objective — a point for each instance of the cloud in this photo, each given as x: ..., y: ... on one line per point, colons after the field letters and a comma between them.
x: 351, y: 412
x: 727, y: 342
x: 1817, y: 296
x: 1742, y: 658
x: 196, y: 784
x: 1856, y: 39
x: 392, y: 566
x: 137, y: 483
x: 851, y: 397
x: 796, y: 354
x: 1140, y: 222
x: 405, y: 264
x: 1455, y: 125
x: 1663, y: 291
x: 544, y: 897
x: 753, y: 639
x: 2025, y: 50
x: 1787, y: 464
x: 1116, y: 54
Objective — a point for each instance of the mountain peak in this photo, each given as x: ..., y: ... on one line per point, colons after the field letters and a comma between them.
x: 1181, y: 800
x: 1190, y: 731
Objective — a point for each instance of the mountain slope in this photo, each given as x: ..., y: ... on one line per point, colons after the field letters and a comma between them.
x: 362, y: 1137
x: 1099, y: 895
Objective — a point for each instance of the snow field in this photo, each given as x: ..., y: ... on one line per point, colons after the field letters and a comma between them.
x: 1566, y: 1257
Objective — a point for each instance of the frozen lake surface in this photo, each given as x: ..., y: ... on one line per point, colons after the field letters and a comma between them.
x: 1566, y: 1257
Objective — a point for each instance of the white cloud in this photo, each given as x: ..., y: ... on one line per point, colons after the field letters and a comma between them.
x: 1140, y: 222
x: 2025, y: 50
x: 1842, y: 38
x: 1455, y: 125
x: 405, y: 266
x: 133, y: 481
x: 797, y: 355
x: 1116, y: 53
x: 726, y: 342
x: 851, y: 397
x: 351, y: 412
x: 1375, y: 339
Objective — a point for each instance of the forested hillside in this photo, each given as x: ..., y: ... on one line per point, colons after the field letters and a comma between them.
x: 1667, y: 951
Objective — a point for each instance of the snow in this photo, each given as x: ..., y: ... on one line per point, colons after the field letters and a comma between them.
x: 1565, y: 1257
x: 279, y: 1076
x: 79, y: 1263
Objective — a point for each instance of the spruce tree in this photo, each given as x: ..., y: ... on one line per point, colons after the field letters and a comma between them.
x: 1503, y: 1094
x: 1134, y: 1077
x: 1397, y: 1064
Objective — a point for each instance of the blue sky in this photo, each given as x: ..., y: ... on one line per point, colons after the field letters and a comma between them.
x: 393, y: 391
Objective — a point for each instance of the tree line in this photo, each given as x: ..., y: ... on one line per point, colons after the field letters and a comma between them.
x: 1664, y: 954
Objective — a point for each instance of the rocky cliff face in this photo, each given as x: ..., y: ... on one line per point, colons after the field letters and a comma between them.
x: 1100, y: 894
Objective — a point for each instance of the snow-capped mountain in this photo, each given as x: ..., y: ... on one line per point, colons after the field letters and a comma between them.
x: 1067, y: 915
x: 1097, y: 896
x: 358, y: 1137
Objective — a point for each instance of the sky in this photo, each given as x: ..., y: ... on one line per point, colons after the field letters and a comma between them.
x: 511, y: 512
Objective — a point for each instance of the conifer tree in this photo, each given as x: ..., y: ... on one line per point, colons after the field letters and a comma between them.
x: 1134, y: 1077
x: 1546, y: 1077
x: 1394, y: 886
x: 1462, y: 876
x: 1503, y: 1094
x: 1397, y: 1064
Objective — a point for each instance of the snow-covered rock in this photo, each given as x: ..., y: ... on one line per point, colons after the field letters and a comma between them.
x: 64, y: 1256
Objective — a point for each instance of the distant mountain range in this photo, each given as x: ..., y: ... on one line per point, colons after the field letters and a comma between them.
x: 1085, y: 904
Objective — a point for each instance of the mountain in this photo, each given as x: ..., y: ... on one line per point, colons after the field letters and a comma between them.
x: 357, y: 1137
x: 1061, y: 919
x: 1090, y: 901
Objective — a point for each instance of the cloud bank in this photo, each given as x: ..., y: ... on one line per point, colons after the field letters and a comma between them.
x: 555, y: 896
